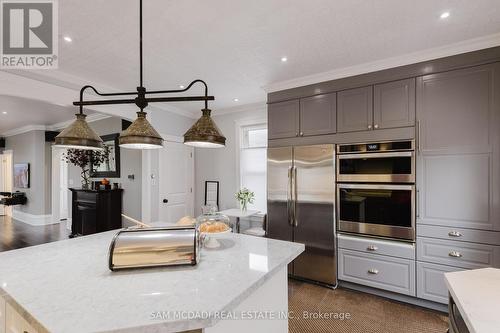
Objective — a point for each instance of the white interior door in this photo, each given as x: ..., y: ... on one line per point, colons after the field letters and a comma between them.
x: 6, y: 179
x: 176, y: 177
x: 63, y: 190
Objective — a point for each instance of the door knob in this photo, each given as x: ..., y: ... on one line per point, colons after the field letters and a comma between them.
x: 376, y: 126
x: 165, y: 200
x: 369, y: 126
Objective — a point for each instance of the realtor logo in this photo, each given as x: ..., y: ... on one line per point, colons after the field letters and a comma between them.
x: 29, y: 34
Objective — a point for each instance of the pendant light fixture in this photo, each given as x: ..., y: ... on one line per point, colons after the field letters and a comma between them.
x: 140, y: 134
x: 79, y: 135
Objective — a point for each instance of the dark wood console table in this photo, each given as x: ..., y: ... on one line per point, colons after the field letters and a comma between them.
x: 95, y: 211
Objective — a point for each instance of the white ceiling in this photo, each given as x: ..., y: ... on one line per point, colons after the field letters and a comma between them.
x: 25, y: 112
x: 236, y: 46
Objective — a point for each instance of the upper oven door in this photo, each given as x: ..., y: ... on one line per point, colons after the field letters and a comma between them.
x: 392, y: 167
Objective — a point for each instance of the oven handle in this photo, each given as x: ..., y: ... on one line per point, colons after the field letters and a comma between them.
x: 375, y: 155
x: 377, y: 187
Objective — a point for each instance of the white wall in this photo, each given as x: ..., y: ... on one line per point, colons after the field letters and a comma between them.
x: 30, y: 148
x: 222, y: 164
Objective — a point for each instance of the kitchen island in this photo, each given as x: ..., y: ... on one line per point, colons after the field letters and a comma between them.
x: 66, y: 286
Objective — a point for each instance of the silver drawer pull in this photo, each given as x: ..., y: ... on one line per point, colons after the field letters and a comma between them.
x: 454, y: 234
x: 373, y: 271
x: 372, y: 248
x: 455, y: 254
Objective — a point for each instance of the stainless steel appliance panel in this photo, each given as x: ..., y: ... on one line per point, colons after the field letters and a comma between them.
x: 313, y: 196
x: 279, y: 188
x: 384, y: 210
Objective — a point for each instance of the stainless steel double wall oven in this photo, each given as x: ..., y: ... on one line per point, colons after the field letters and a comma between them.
x: 376, y: 189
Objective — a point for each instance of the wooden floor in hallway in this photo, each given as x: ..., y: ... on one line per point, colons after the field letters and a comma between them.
x: 16, y: 234
x: 367, y: 313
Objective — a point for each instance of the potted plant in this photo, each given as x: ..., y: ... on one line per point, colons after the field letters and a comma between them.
x: 244, y: 197
x: 82, y: 159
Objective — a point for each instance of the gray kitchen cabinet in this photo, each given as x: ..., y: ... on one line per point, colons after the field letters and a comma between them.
x: 457, y: 254
x: 458, y: 163
x: 394, y: 104
x: 378, y: 271
x: 283, y: 119
x: 318, y: 115
x: 430, y: 281
x: 355, y: 110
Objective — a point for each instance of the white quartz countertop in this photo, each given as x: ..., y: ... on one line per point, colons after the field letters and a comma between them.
x: 477, y: 296
x: 66, y: 286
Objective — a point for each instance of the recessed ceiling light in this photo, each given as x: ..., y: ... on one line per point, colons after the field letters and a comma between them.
x: 235, y: 99
x: 4, y: 112
x: 181, y: 86
x: 284, y: 59
x: 445, y: 15
x: 68, y: 39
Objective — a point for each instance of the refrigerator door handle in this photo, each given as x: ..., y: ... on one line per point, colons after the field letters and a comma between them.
x: 289, y: 197
x: 294, y: 200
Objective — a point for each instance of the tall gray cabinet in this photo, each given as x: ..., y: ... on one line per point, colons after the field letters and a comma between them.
x: 458, y: 175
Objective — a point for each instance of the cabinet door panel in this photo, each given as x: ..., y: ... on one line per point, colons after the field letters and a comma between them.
x: 318, y: 115
x: 283, y: 119
x: 455, y: 191
x: 430, y: 281
x: 355, y: 109
x: 455, y: 109
x: 394, y: 104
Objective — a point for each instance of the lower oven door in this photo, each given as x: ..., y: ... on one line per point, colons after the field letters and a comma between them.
x: 377, y: 210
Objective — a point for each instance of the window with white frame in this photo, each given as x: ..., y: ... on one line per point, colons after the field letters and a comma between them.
x: 253, y: 163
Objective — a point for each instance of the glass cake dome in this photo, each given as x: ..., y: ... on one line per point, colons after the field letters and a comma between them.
x: 213, y: 222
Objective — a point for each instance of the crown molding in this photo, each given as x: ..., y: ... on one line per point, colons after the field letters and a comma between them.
x: 90, y: 118
x: 58, y: 126
x: 407, y: 59
x: 255, y: 107
x: 23, y: 129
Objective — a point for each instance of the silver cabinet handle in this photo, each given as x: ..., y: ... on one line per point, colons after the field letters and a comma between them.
x: 301, y: 133
x: 289, y: 197
x: 373, y: 271
x: 418, y: 136
x: 455, y: 254
x: 296, y: 133
x: 369, y: 126
x: 376, y: 126
x: 454, y: 234
x: 372, y: 248
x: 295, y: 221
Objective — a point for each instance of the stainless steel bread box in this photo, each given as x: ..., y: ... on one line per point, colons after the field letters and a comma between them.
x: 154, y: 247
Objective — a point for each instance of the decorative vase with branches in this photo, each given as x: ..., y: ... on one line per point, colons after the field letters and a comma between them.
x: 85, y: 159
x: 244, y: 197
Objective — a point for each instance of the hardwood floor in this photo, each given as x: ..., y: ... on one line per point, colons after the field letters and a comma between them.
x: 15, y: 234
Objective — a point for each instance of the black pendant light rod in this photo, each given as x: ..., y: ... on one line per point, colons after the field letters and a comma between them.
x: 141, y: 100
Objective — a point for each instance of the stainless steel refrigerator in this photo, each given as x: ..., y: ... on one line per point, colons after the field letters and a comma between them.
x: 300, y: 207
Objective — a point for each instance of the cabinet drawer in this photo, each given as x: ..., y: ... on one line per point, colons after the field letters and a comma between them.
x: 430, y: 281
x: 377, y: 246
x: 86, y: 196
x: 459, y: 254
x: 383, y: 272
x: 459, y: 234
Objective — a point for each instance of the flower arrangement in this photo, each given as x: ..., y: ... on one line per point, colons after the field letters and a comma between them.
x: 244, y: 197
x: 83, y: 158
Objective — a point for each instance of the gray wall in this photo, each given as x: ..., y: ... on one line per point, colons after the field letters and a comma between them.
x: 221, y: 164
x: 130, y: 163
x: 30, y: 148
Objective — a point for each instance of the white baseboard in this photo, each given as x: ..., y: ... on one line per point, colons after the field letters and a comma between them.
x: 69, y: 221
x: 35, y: 220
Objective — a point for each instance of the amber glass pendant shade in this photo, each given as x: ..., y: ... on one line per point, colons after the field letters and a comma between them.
x: 141, y: 135
x: 204, y: 133
x: 79, y: 135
